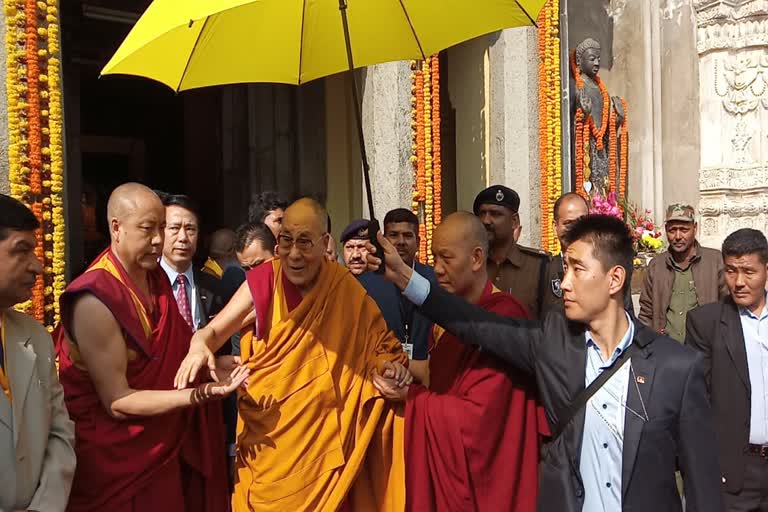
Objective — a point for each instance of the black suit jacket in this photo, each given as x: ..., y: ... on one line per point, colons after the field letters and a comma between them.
x: 679, y: 429
x: 715, y: 330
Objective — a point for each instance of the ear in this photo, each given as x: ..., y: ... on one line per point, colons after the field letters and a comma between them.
x: 114, y: 229
x: 618, y: 276
x: 478, y: 258
x: 695, y: 229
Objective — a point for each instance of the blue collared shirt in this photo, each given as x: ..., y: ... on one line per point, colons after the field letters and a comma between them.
x: 602, y: 446
x: 755, y: 331
x: 603, y: 441
x: 192, y: 296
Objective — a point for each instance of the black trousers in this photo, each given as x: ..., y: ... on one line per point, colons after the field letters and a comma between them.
x: 754, y: 495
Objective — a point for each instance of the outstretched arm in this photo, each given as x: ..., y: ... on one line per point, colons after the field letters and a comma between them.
x: 514, y: 341
x: 103, y: 350
x: 210, y: 338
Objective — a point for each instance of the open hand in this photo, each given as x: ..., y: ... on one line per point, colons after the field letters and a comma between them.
x: 238, y: 377
x: 199, y: 355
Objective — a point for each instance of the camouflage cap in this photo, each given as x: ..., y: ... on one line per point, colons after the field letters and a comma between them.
x: 680, y: 212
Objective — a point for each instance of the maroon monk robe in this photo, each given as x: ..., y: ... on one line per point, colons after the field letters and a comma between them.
x: 472, y: 439
x: 161, y: 463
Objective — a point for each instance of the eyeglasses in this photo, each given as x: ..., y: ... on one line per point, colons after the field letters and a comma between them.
x: 303, y: 244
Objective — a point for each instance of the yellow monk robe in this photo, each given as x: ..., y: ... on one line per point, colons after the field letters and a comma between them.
x: 313, y: 433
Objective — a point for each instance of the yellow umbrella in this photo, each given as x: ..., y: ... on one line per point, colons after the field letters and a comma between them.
x: 187, y: 44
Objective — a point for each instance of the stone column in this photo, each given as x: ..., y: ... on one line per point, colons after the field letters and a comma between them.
x: 733, y: 75
x: 386, y: 97
x: 514, y: 123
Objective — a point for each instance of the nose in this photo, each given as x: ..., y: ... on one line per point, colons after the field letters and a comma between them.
x: 182, y: 235
x: 740, y: 281
x: 565, y: 284
x: 36, y: 267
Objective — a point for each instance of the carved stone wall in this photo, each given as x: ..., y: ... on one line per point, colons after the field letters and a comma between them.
x: 732, y: 42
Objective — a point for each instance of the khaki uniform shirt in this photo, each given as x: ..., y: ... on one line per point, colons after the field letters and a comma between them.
x: 524, y: 275
x: 683, y: 299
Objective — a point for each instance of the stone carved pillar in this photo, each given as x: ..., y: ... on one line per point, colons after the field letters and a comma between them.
x: 732, y: 43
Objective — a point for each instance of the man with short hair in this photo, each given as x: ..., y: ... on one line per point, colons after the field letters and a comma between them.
x: 569, y: 208
x: 401, y: 227
x: 476, y: 419
x: 316, y: 434
x: 687, y: 275
x: 269, y: 208
x: 616, y: 443
x: 141, y: 445
x: 732, y: 334
x: 353, y: 240
x: 221, y: 252
x: 514, y: 269
x: 254, y: 244
x: 37, y: 456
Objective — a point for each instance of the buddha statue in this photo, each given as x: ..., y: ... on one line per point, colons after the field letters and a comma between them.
x: 598, y: 130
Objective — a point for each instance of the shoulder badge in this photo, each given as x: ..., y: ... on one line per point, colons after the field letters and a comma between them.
x: 556, y: 290
x: 535, y: 252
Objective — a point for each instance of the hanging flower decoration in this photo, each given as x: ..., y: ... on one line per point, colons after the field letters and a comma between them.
x: 426, y: 150
x: 35, y: 128
x: 550, y: 125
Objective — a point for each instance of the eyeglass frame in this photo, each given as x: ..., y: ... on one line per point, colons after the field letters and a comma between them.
x: 294, y: 242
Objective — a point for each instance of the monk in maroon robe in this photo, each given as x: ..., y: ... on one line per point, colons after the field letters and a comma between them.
x: 140, y: 445
x: 472, y: 437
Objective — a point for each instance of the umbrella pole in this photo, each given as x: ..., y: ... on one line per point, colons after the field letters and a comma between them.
x: 358, y: 106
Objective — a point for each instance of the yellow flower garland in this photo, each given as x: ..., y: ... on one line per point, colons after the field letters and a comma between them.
x: 550, y: 128
x: 33, y: 46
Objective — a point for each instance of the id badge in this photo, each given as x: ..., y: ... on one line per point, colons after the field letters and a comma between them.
x: 408, y: 349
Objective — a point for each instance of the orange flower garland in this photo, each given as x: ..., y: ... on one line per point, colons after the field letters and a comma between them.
x: 550, y: 125
x: 35, y: 128
x: 612, y: 143
x: 426, y: 146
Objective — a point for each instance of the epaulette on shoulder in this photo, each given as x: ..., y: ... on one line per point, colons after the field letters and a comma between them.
x: 536, y: 252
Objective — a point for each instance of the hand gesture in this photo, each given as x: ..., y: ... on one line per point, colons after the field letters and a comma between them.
x: 225, y: 365
x: 212, y: 390
x: 199, y: 355
x: 396, y: 372
x: 396, y: 270
x: 585, y: 102
x: 389, y: 388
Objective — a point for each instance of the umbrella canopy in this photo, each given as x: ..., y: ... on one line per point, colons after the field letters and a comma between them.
x: 187, y: 44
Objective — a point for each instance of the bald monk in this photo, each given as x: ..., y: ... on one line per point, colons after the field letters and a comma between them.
x: 478, y: 419
x: 221, y: 252
x: 314, y: 433
x: 140, y: 445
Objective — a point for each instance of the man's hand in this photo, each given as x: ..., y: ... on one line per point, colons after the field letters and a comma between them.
x: 199, y: 355
x: 397, y: 372
x: 213, y: 390
x: 395, y: 270
x: 389, y: 388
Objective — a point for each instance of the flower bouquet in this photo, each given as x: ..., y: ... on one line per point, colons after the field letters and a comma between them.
x: 645, y: 234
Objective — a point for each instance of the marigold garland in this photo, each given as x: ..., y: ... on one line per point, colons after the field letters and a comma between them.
x: 35, y: 127
x: 426, y: 150
x: 550, y: 125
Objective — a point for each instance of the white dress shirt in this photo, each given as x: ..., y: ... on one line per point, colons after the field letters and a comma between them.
x: 192, y: 292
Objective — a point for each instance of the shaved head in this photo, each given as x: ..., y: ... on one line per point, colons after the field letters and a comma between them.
x: 460, y: 248
x: 136, y: 219
x: 126, y: 199
x: 222, y: 243
x: 464, y: 229
x: 308, y: 212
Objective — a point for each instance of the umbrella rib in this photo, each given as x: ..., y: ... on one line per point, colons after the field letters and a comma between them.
x: 413, y: 30
x: 533, y: 22
x: 301, y: 40
x: 191, y: 53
